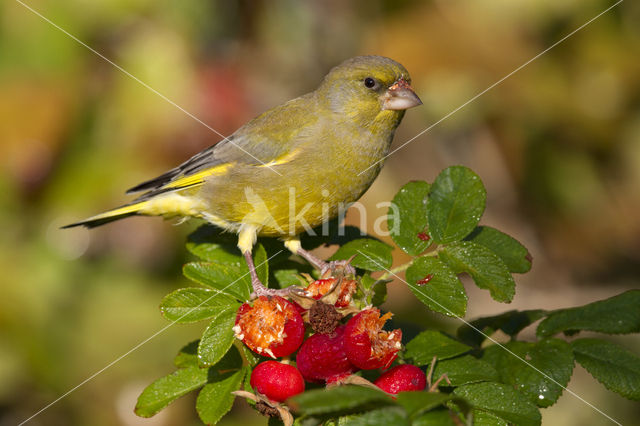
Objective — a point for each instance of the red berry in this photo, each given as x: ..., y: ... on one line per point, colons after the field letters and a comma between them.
x: 271, y: 327
x: 368, y: 346
x: 340, y: 297
x: 277, y: 381
x: 321, y: 357
x: 402, y: 378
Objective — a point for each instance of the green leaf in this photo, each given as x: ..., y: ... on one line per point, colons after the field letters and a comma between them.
x: 407, y: 217
x: 262, y: 265
x: 483, y: 418
x: 250, y: 357
x: 215, y: 399
x: 617, y: 368
x: 514, y: 255
x: 463, y: 370
x: 456, y: 203
x: 379, y: 293
x: 440, y: 417
x: 165, y: 390
x: 617, y: 315
x: 287, y: 277
x: 229, y: 278
x: 195, y: 304
x: 382, y: 417
x: 553, y: 357
x: 188, y: 355
x: 340, y: 399
x: 437, y: 286
x: 502, y: 401
x: 217, y: 338
x: 415, y: 403
x: 422, y: 348
x: 211, y: 244
x: 511, y: 323
x: 484, y: 266
x: 371, y: 255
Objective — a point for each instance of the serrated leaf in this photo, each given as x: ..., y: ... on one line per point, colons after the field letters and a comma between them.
x: 370, y: 254
x: 511, y: 323
x: 188, y: 355
x: 422, y: 348
x: 215, y: 399
x: 415, y: 403
x: 484, y: 266
x: 165, y: 390
x: 553, y: 357
x: 231, y: 279
x: 617, y: 315
x: 514, y: 255
x: 456, y: 203
x: 463, y: 370
x: 217, y: 338
x: 382, y: 417
x: 437, y: 286
x: 195, y: 304
x: 407, y: 217
x: 617, y: 368
x: 501, y: 400
x: 440, y: 417
x: 340, y: 399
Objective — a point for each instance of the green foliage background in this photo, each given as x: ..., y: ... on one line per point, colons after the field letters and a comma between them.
x: 557, y: 146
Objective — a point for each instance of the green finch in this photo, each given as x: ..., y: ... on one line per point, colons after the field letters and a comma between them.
x: 292, y: 167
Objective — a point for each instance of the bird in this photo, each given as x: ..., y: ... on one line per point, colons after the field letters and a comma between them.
x: 289, y: 169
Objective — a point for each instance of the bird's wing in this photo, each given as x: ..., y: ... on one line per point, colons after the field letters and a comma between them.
x: 269, y: 139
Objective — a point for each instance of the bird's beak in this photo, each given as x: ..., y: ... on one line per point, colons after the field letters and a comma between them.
x: 400, y: 96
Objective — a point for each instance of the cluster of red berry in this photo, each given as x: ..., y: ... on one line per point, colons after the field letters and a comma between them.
x: 275, y: 327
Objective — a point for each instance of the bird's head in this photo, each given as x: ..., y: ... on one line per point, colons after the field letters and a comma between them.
x: 369, y: 90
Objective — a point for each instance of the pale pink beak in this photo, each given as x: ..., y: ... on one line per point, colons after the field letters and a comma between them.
x: 400, y: 96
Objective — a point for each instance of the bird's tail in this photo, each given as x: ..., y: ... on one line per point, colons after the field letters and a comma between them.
x: 109, y: 216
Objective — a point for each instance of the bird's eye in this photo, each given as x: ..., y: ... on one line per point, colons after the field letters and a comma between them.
x: 370, y: 82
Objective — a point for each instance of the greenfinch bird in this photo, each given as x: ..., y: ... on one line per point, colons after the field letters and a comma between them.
x: 290, y: 168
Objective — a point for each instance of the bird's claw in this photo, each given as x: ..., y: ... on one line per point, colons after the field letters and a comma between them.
x: 261, y: 290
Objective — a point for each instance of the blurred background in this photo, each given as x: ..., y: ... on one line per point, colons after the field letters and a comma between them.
x: 557, y: 145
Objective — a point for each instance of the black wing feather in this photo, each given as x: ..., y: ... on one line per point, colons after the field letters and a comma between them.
x: 196, y: 163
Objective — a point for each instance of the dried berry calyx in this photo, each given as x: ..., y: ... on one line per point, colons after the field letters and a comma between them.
x: 271, y: 327
x: 367, y: 345
x: 324, y: 318
x: 402, y: 378
x: 277, y: 381
x: 322, y: 357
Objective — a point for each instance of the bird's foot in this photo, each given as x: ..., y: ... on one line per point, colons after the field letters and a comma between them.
x: 260, y: 290
x: 333, y: 268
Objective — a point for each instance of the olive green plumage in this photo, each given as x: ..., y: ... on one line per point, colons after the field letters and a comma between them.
x: 312, y: 150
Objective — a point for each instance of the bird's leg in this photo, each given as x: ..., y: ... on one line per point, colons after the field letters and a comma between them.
x: 246, y: 239
x: 344, y: 266
x: 258, y: 288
